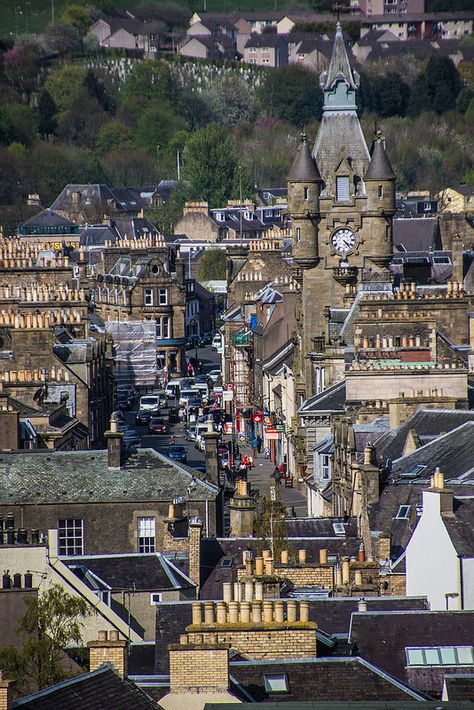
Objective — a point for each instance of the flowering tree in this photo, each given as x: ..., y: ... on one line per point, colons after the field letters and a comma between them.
x: 22, y: 68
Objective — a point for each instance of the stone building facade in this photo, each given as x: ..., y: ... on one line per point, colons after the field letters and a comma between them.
x: 342, y: 201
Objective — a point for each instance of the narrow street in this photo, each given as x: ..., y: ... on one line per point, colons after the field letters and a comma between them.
x: 259, y: 476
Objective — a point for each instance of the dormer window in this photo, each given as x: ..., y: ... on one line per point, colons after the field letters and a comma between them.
x: 219, y: 216
x: 342, y: 189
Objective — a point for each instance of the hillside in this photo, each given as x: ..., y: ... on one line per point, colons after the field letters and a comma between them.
x: 20, y: 17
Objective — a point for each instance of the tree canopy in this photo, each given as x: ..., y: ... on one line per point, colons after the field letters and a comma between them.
x: 212, y: 265
x: 51, y: 622
x: 292, y: 93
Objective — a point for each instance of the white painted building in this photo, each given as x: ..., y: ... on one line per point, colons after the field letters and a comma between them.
x: 440, y: 553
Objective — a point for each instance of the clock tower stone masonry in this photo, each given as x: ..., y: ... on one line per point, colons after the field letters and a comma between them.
x: 342, y: 201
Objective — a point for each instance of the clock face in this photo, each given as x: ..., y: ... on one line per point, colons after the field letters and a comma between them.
x: 343, y: 240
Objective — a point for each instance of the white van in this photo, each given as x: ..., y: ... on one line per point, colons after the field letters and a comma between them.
x: 202, y: 389
x: 151, y: 402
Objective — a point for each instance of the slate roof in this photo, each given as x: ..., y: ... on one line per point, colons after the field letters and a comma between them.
x: 96, y: 235
x: 416, y: 234
x: 48, y: 218
x: 266, y: 39
x: 380, y: 167
x: 90, y: 194
x: 382, y: 637
x: 83, y: 476
x: 131, y: 571
x: 460, y: 526
x: 424, y: 422
x: 99, y: 690
x: 330, y: 400
x: 382, y: 515
x: 452, y: 452
x: 304, y: 168
x: 318, y: 679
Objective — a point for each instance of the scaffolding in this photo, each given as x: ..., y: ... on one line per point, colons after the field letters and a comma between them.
x: 134, y: 349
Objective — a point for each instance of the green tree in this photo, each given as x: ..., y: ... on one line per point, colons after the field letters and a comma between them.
x: 152, y: 80
x: 129, y: 166
x: 156, y: 128
x: 25, y: 123
x: 53, y: 165
x: 7, y: 129
x: 51, y: 622
x: 64, y: 84
x: 47, y: 123
x: 436, y: 88
x: 212, y: 265
x: 62, y: 38
x: 292, y: 93
x: 211, y: 167
x: 113, y: 135
x: 232, y: 101
x: 77, y: 16
x: 81, y: 122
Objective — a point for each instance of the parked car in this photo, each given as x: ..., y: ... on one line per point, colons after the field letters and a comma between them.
x: 203, y: 380
x: 215, y: 375
x: 177, y: 453
x: 143, y: 416
x: 156, y: 425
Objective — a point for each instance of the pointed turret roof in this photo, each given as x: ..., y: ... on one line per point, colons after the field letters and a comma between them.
x: 304, y: 168
x: 339, y: 66
x: 380, y: 167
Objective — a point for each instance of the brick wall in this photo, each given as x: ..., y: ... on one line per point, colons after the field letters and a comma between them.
x: 199, y: 667
x: 260, y: 641
x: 108, y: 650
x: 302, y: 575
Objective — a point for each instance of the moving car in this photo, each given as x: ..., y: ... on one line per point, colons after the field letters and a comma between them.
x: 217, y: 342
x: 143, y: 416
x: 156, y: 425
x: 151, y: 402
x: 177, y: 453
x: 215, y: 375
x: 131, y: 439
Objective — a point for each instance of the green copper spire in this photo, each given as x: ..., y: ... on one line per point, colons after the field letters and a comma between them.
x: 339, y: 83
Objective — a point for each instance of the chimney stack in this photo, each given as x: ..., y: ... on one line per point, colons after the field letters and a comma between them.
x: 114, y: 445
x: 242, y: 511
x: 212, y: 460
x: 108, y: 649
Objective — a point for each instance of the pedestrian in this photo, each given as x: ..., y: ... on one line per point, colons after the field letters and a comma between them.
x: 190, y: 369
x: 259, y: 443
x: 254, y: 444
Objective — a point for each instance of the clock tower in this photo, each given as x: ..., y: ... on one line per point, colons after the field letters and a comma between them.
x: 347, y: 221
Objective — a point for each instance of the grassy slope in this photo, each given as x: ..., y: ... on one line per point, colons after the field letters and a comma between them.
x: 38, y: 12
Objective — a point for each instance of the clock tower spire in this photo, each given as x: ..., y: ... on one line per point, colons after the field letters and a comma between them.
x: 342, y: 201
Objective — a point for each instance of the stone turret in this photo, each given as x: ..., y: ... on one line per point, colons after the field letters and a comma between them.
x: 304, y: 183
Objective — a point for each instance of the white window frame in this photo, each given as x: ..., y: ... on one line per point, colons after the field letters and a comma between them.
x: 148, y: 297
x: 71, y: 536
x: 163, y: 296
x: 156, y: 598
x: 163, y: 327
x: 325, y: 466
x: 433, y: 655
x: 146, y: 534
x: 403, y: 511
x: 276, y: 683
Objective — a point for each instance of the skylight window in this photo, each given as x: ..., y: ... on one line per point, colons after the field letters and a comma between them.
x: 276, y: 683
x: 403, y: 511
x: 226, y: 562
x: 440, y: 656
x: 339, y: 528
x: 413, y: 471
